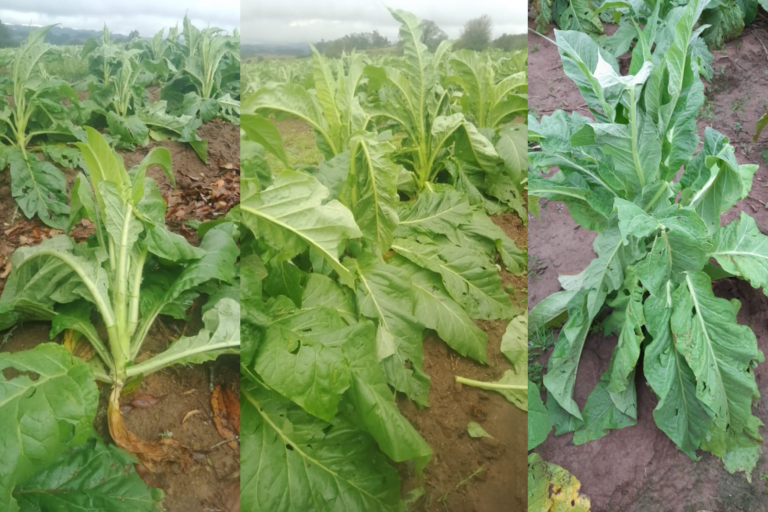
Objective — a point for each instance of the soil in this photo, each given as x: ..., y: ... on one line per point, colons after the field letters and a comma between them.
x: 502, y: 483
x: 203, y: 192
x: 639, y: 468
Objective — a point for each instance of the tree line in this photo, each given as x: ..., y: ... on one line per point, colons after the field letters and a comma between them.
x: 476, y: 35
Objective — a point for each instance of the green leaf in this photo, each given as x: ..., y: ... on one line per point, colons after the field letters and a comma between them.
x: 260, y: 130
x: 375, y: 191
x: 631, y: 335
x: 47, y: 407
x: 438, y: 311
x: 539, y: 423
x: 514, y: 343
x: 384, y: 294
x: 681, y: 415
x: 292, y: 460
x: 433, y: 212
x: 469, y: 277
x: 170, y: 246
x: 291, y: 216
x: 93, y: 477
x: 606, y: 410
x: 475, y: 430
x: 741, y: 249
x: 720, y: 352
x: 294, y: 363
x: 39, y: 188
x: 220, y: 335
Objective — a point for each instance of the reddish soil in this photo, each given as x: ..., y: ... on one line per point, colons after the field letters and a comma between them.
x: 204, y: 192
x: 503, y: 482
x: 639, y: 468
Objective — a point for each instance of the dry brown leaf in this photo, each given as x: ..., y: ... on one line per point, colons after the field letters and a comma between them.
x: 221, y: 404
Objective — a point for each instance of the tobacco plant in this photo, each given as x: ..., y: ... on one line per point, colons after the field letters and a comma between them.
x: 348, y: 265
x: 130, y: 271
x: 36, y: 112
x: 657, y: 237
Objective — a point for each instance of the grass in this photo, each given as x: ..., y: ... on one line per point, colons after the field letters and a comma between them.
x: 738, y: 105
x: 706, y: 111
x: 299, y: 142
x: 539, y: 341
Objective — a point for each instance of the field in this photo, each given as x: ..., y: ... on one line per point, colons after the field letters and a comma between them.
x: 361, y: 289
x: 639, y: 467
x: 167, y: 109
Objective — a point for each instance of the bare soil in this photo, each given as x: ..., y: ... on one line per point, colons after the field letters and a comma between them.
x: 203, y: 192
x: 639, y: 468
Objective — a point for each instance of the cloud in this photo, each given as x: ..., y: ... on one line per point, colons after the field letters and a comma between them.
x: 293, y: 21
x: 146, y: 16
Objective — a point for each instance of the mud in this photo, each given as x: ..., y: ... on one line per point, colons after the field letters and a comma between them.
x: 639, y: 468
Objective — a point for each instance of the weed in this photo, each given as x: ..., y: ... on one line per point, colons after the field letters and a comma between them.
x: 764, y: 156
x: 706, y: 111
x: 534, y: 48
x: 539, y: 341
x: 737, y: 126
x: 738, y: 105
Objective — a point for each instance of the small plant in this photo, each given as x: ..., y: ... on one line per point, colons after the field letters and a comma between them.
x: 737, y: 105
x: 764, y: 156
x: 706, y: 111
x: 534, y: 48
x: 737, y: 126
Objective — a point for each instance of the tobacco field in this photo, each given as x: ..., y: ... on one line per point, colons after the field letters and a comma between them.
x: 383, y: 275
x: 119, y: 272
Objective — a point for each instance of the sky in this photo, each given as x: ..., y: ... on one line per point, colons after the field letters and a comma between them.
x: 292, y: 21
x: 146, y: 16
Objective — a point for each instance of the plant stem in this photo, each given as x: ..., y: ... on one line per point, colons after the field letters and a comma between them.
x: 489, y: 385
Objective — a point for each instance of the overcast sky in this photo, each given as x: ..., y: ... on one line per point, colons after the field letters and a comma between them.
x: 288, y: 21
x: 146, y: 16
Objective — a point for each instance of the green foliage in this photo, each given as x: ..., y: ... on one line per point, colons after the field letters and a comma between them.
x: 40, y: 465
x: 655, y: 237
x: 347, y: 263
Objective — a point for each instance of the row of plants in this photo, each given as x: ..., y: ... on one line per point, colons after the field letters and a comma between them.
x: 721, y: 20
x: 659, y: 245
x: 199, y: 79
x: 347, y: 264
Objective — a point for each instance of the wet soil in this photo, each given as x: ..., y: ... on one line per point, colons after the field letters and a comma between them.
x: 203, y: 192
x: 639, y: 468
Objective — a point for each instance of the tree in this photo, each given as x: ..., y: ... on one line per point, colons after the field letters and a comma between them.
x: 5, y: 36
x: 133, y: 35
x: 509, y: 42
x: 476, y: 34
x: 432, y: 35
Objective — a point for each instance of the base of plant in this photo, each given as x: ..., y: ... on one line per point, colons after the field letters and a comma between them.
x: 155, y: 455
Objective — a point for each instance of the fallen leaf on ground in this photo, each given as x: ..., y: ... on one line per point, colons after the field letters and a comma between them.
x: 226, y: 415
